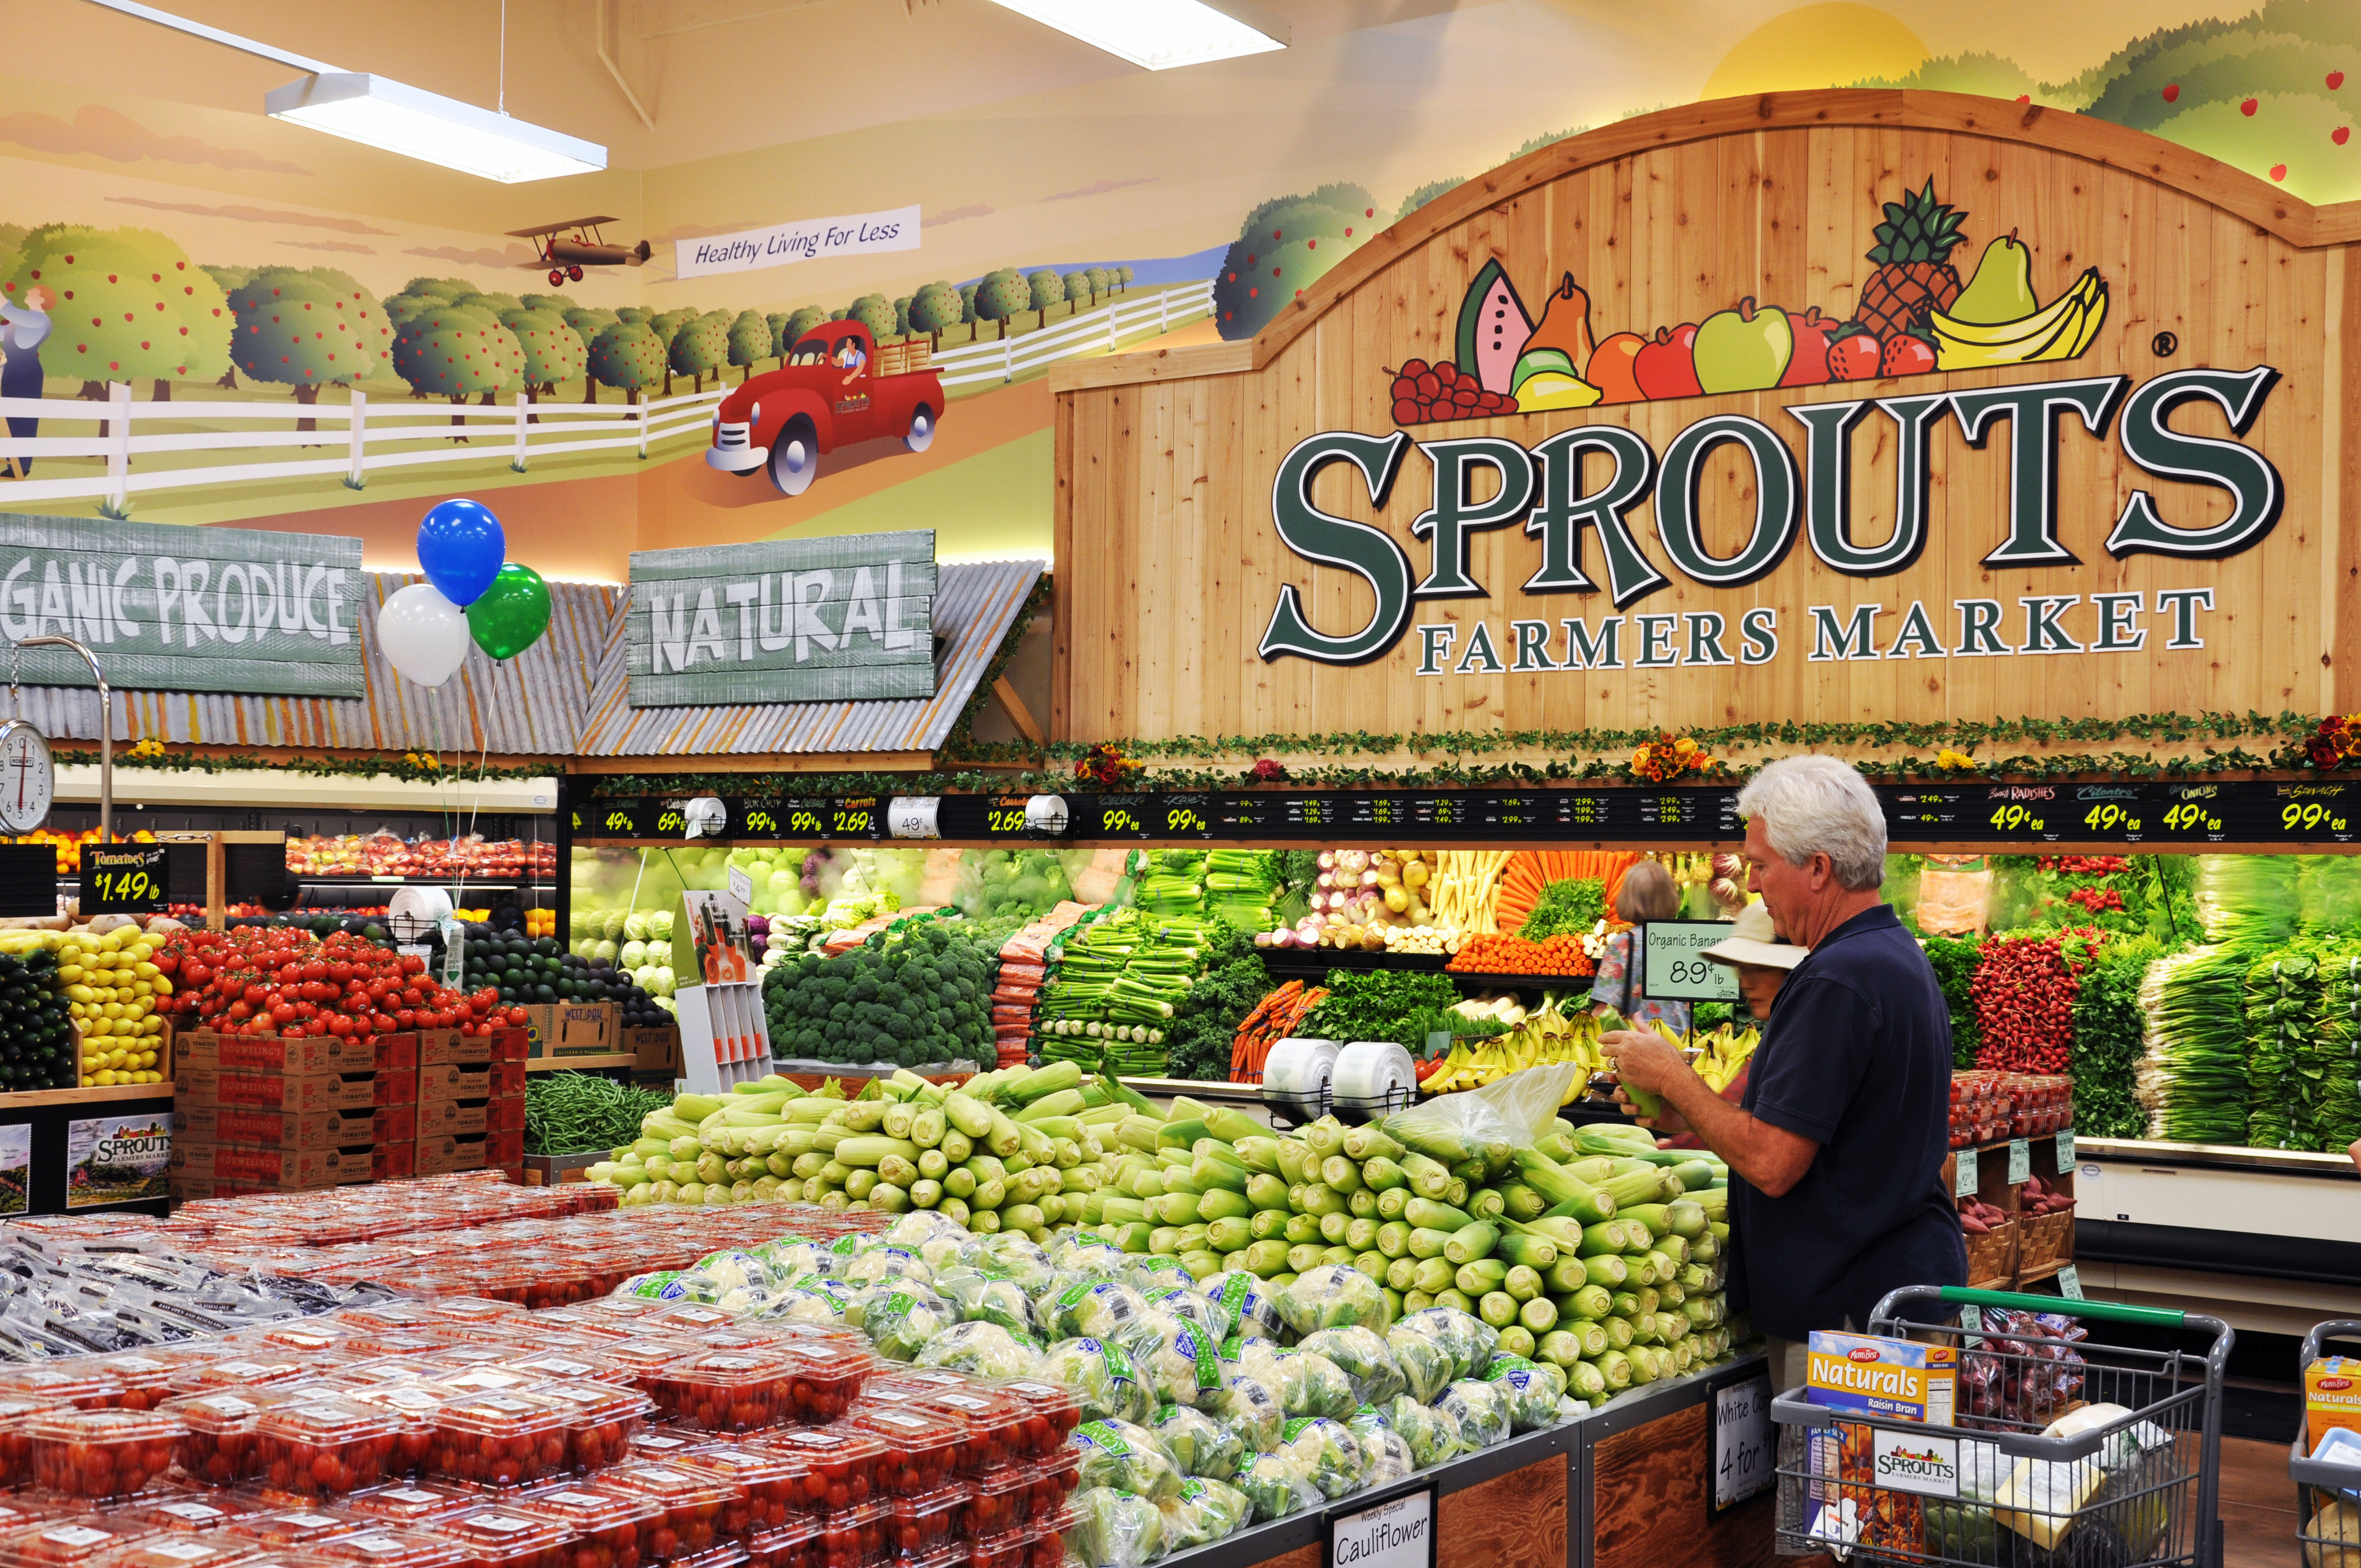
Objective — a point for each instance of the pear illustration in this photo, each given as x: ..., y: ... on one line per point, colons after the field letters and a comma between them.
x: 2002, y: 290
x: 1565, y: 324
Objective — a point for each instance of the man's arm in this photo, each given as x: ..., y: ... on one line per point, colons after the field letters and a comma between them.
x: 1769, y: 1158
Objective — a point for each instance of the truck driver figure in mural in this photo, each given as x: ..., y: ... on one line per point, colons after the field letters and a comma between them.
x: 23, y: 325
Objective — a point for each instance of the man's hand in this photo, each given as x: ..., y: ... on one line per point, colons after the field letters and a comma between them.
x: 1645, y: 1060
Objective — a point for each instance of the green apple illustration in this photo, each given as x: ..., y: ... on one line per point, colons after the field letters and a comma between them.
x: 1743, y: 350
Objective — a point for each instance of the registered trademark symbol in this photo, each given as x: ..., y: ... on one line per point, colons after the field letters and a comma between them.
x: 2165, y: 345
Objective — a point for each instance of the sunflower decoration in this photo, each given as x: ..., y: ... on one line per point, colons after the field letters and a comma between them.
x: 148, y: 747
x: 1950, y: 761
x: 1105, y: 766
x: 1669, y: 757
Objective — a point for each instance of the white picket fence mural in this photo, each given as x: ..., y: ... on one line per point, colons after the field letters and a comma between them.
x: 355, y: 439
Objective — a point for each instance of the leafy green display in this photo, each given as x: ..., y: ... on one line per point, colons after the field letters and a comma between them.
x: 1379, y: 1004
x: 1198, y: 1045
x: 573, y: 1113
x: 2107, y: 1048
x: 916, y: 995
x: 1574, y: 905
x: 1955, y: 960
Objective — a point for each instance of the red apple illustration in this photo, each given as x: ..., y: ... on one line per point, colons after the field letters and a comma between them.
x: 2278, y: 172
x: 2172, y: 92
x: 1906, y: 356
x: 1854, y: 354
x: 2335, y: 80
x: 2249, y: 106
x: 2340, y: 134
x: 1666, y: 367
x: 1814, y: 332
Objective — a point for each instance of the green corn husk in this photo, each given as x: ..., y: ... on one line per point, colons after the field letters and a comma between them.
x: 1393, y: 1239
x: 1480, y: 1275
x: 1426, y: 1242
x: 1533, y: 1251
x: 1433, y: 1276
x: 1487, y: 1204
x: 1519, y: 1201
x: 1392, y: 1201
x: 1472, y: 1241
x: 1401, y: 1274
x: 1266, y: 1224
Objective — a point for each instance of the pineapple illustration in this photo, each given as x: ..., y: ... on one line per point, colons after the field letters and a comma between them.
x: 1913, y: 267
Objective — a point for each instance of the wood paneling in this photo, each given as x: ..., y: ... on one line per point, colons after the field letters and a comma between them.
x: 1516, y: 1520
x: 1169, y: 567
x: 1648, y: 1493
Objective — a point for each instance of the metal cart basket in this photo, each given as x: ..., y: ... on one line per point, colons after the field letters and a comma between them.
x: 2327, y: 1496
x: 2131, y: 1479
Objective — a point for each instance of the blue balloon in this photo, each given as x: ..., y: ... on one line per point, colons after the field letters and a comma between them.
x: 460, y: 548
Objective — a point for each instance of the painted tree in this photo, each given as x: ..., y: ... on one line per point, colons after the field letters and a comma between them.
x: 838, y: 316
x: 131, y: 305
x: 448, y: 290
x: 701, y: 345
x: 874, y: 311
x: 1001, y: 295
x: 902, y: 316
x: 588, y: 321
x: 229, y: 277
x: 935, y: 307
x: 456, y: 351
x: 1079, y: 290
x: 1049, y: 288
x: 800, y: 323
x: 307, y: 329
x: 667, y: 325
x: 629, y: 356
x: 777, y: 322
x: 967, y: 304
x: 561, y: 303
x: 633, y: 314
x: 750, y: 340
x: 1283, y: 248
x: 1123, y: 275
x: 554, y: 351
x: 1102, y: 282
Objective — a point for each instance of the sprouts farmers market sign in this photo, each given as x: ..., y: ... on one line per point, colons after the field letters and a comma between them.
x: 1573, y: 492
x: 166, y: 608
x: 849, y: 619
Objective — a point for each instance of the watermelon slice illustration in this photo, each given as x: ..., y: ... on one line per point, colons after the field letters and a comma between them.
x: 1493, y: 327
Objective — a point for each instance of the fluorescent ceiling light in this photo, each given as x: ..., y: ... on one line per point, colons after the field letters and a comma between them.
x: 421, y: 124
x: 1157, y: 34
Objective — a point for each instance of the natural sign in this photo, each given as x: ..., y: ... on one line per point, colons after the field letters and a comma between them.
x: 215, y: 609
x: 849, y: 619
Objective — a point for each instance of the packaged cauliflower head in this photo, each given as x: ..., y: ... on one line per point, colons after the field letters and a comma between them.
x: 1334, y: 1296
x: 1306, y: 1383
x: 798, y: 1258
x: 1470, y: 1340
x: 982, y: 1296
x: 1246, y: 1304
x: 1192, y: 1309
x: 1103, y: 1380
x: 1533, y: 1390
x: 1125, y: 1456
x: 920, y: 1226
x: 1084, y: 1253
x: 1278, y: 1485
x: 1200, y: 1445
x: 1433, y: 1435
x: 899, y: 1316
x: 813, y: 1298
x: 1385, y: 1451
x: 1176, y: 1359
x: 1113, y: 1529
x: 1425, y: 1363
x: 1480, y: 1408
x: 1326, y: 1451
x: 1204, y: 1510
x: 1247, y: 1406
x: 1087, y: 1308
x: 985, y: 1350
x: 734, y: 1269
x: 887, y: 1263
x: 1024, y: 1259
x: 1153, y: 1276
x: 1361, y: 1356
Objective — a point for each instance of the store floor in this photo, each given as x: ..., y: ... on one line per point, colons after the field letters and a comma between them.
x: 2258, y: 1520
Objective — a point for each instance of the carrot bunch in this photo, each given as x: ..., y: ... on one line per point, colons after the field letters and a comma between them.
x: 1504, y: 954
x: 1531, y: 870
x: 1273, y: 1020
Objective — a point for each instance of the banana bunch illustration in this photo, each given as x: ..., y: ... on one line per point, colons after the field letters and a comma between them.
x: 2059, y: 330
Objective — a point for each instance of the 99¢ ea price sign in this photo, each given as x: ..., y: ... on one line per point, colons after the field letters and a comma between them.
x: 123, y: 880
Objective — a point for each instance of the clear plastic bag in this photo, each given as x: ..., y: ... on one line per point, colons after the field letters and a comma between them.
x: 1101, y: 1377
x: 1334, y: 1296
x: 1244, y: 1301
x: 1432, y: 1433
x: 1327, y: 1451
x: 1361, y: 1356
x: 1111, y: 1529
x: 1480, y: 1408
x: 1532, y: 1388
x: 1306, y: 1384
x: 983, y: 1298
x: 1470, y: 1340
x: 985, y: 1350
x: 900, y: 1316
x: 1201, y: 1444
x: 1206, y: 1511
x: 1089, y: 1309
x: 1426, y: 1364
x: 1125, y: 1456
x: 1486, y: 1123
x: 1247, y: 1405
x: 1175, y: 1359
x: 1277, y: 1484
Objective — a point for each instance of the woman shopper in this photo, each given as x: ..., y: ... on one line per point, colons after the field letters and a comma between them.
x: 1762, y: 961
x: 1620, y: 984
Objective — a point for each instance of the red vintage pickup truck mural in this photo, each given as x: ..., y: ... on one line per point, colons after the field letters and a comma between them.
x: 836, y: 388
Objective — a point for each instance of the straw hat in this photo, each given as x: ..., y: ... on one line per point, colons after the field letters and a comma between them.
x: 1753, y: 941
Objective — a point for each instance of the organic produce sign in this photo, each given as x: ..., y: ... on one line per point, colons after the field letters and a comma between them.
x: 117, y: 1160
x: 1671, y: 952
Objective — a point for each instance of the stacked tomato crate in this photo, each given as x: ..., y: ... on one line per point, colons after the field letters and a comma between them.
x: 460, y: 1432
x: 272, y: 1113
x: 2016, y: 1196
x: 459, y: 1105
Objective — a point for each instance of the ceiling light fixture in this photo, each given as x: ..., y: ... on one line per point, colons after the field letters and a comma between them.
x: 381, y: 113
x: 1158, y: 34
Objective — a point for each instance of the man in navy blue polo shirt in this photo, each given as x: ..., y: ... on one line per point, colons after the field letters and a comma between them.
x: 1836, y: 1152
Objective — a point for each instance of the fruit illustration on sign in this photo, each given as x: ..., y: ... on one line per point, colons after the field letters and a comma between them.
x: 1610, y: 367
x: 1906, y: 356
x: 1493, y: 327
x: 1547, y: 379
x: 1913, y: 272
x: 2002, y: 290
x: 1565, y: 325
x: 1854, y: 354
x: 1744, y: 350
x: 2059, y: 330
x: 1665, y: 368
x: 1809, y: 366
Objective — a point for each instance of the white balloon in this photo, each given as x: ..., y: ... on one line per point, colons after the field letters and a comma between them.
x: 422, y: 634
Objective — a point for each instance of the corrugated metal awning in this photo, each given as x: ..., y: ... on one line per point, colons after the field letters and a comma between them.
x: 975, y: 604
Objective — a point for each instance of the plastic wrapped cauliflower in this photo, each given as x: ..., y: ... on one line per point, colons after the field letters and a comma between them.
x: 920, y: 1226
x: 952, y: 1249
x: 1152, y: 1276
x: 1244, y: 1301
x: 1101, y: 1377
x: 1469, y: 1340
x: 1090, y: 1309
x: 1334, y: 1296
x: 985, y: 1350
x: 981, y: 1297
x: 1326, y: 1452
x: 812, y: 1298
x: 887, y: 1263
x: 1200, y: 1445
x: 1433, y: 1435
x: 1192, y: 1309
x: 1277, y: 1486
x: 797, y: 1258
x: 1205, y: 1510
x: 1247, y: 1406
x: 1025, y: 1261
x: 1111, y: 1529
x: 1306, y: 1384
x: 1095, y: 1258
x: 745, y: 1301
x: 1175, y: 1359
x: 1362, y: 1356
x: 734, y: 1269
x: 1426, y: 1366
x: 1531, y: 1389
x: 1125, y: 1456
x: 1480, y: 1408
x: 1385, y: 1452
x: 899, y: 1316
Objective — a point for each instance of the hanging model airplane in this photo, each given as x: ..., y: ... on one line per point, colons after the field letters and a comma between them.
x: 569, y: 245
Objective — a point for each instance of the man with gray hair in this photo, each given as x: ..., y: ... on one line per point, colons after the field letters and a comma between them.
x: 1836, y: 1152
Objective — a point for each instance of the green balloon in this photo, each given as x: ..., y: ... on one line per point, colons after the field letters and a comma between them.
x: 510, y: 617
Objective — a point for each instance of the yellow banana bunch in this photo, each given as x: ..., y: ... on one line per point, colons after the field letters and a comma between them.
x: 2059, y: 330
x: 1724, y: 1051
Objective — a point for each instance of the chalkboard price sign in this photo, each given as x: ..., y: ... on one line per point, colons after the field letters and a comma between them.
x: 123, y: 880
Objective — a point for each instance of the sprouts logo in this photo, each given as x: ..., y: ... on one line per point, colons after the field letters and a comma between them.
x: 144, y: 1147
x: 1916, y: 1461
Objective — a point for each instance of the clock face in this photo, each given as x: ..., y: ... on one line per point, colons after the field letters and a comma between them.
x: 27, y: 783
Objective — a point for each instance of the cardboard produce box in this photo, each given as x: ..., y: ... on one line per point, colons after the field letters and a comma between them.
x: 274, y: 1091
x: 570, y: 1029
x: 507, y: 1113
x: 457, y: 1152
x: 506, y: 1150
x: 389, y: 1161
x: 394, y: 1125
x: 397, y: 1053
x: 512, y: 1044
x: 446, y: 1048
x: 242, y: 1165
x: 508, y: 1077
x: 653, y: 1050
x: 267, y: 1128
x: 275, y: 1054
x: 454, y: 1082
x: 395, y: 1089
x: 445, y: 1118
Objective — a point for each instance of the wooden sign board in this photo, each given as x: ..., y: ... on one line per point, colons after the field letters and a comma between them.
x: 1812, y: 407
x: 849, y: 619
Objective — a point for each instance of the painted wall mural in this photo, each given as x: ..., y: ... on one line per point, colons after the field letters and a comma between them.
x: 383, y: 340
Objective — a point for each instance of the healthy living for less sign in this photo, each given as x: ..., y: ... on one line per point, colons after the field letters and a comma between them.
x: 850, y: 619
x: 215, y: 609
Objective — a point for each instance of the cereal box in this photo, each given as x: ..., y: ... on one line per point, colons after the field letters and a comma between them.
x: 2331, y: 1397
x: 1895, y: 1378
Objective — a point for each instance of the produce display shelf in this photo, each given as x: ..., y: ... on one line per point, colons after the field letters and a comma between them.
x: 2047, y: 1271
x: 303, y: 881
x: 2292, y: 1162
x: 95, y: 1094
x: 602, y: 1059
x: 1289, y: 963
x: 1523, y: 981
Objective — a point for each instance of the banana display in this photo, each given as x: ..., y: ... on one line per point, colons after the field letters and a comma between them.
x: 2059, y: 330
x: 1562, y: 1029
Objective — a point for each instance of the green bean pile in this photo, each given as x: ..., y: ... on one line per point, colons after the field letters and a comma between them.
x: 573, y: 1113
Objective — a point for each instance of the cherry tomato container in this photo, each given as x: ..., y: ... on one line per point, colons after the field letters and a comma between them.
x: 683, y: 1320
x: 16, y: 1513
x: 289, y: 1529
x: 392, y: 1549
x: 601, y: 1419
x: 925, y: 1522
x: 1046, y: 1547
x: 721, y: 1554
x: 1051, y: 1413
x: 829, y: 1377
x: 193, y: 1513
x: 476, y: 1313
x: 75, y: 1381
x: 571, y: 1365
x: 610, y: 1526
x: 795, y: 1544
x: 769, y: 1483
x: 412, y: 1505
x: 326, y: 1447
x: 497, y: 1439
x: 1051, y: 1481
x: 486, y: 1380
x: 727, y: 1390
x: 413, y: 1406
x: 239, y: 1373
x: 176, y: 1550
x: 843, y: 1464
x: 642, y: 1360
x: 404, y: 1342
x: 309, y: 1337
x: 998, y: 1502
x: 146, y: 1375
x: 949, y: 1555
x: 69, y: 1542
x: 1011, y: 1549
x: 857, y: 1537
x: 399, y: 1314
x: 693, y: 1503
x: 924, y: 1447
x: 500, y: 1537
x: 581, y: 1320
x: 15, y: 1448
x: 737, y: 1335
x: 995, y: 1426
x: 661, y: 1446
x: 102, y: 1453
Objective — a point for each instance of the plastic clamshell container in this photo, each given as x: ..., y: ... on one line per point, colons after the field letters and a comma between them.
x: 738, y: 1335
x: 685, y: 1319
x: 102, y: 1453
x: 1008, y: 1549
x: 570, y: 1365
x: 77, y: 1381
x: 238, y: 1374
x: 998, y: 1502
x: 177, y: 1551
x: 721, y: 1554
x: 641, y: 1359
x: 497, y: 1439
x: 995, y: 1424
x: 395, y: 1314
x: 726, y: 1390
x: 1048, y: 1539
x: 593, y: 1325
x: 1051, y: 1413
x: 493, y: 1379
x: 693, y: 1503
x: 219, y: 1448
x: 146, y: 1375
x: 829, y: 1377
x: 795, y: 1544
x: 69, y: 1541
x: 413, y: 1406
x: 659, y: 1446
x: 1051, y: 1480
x: 609, y: 1526
x: 923, y: 1447
x: 857, y: 1537
x: 15, y: 1448
x: 943, y: 1554
x: 193, y: 1513
x: 844, y: 1463
x: 308, y: 1336
x: 601, y: 1419
x: 768, y: 1482
x: 393, y: 1548
x: 502, y: 1536
x: 285, y: 1529
x: 924, y: 1522
x: 475, y: 1311
x: 412, y: 1504
x: 324, y: 1448
x: 16, y: 1513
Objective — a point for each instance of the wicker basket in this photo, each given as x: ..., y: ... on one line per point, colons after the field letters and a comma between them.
x: 1991, y: 1257
x: 2045, y: 1240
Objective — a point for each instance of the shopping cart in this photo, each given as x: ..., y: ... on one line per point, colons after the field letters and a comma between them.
x: 2327, y: 1496
x: 2131, y: 1479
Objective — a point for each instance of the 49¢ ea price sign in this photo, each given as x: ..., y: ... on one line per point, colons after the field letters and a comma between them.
x: 123, y: 880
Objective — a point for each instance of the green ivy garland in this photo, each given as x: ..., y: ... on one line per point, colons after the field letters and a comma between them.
x: 358, y: 766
